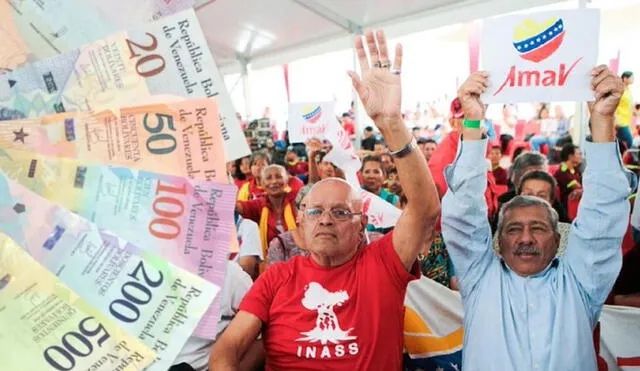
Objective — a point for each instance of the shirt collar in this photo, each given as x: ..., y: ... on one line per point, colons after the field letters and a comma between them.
x: 554, y: 264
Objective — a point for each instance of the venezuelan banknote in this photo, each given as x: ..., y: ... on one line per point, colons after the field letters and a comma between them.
x: 188, y: 222
x: 44, y: 325
x: 33, y: 30
x: 152, y: 299
x: 161, y: 60
x: 174, y: 139
x: 181, y: 138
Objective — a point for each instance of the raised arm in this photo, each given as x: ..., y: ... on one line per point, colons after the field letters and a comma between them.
x: 380, y: 91
x: 594, y: 248
x: 465, y: 225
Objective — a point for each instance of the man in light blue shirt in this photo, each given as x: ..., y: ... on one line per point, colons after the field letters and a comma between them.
x: 525, y: 307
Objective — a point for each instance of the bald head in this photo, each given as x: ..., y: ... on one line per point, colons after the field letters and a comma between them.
x: 330, y: 236
x: 336, y: 190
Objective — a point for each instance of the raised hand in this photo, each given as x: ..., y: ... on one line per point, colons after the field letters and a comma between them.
x: 469, y: 95
x: 608, y: 89
x: 314, y: 146
x: 379, y: 88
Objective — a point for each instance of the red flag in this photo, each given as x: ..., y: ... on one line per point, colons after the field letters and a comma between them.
x: 285, y: 68
x: 614, y: 64
x: 474, y: 46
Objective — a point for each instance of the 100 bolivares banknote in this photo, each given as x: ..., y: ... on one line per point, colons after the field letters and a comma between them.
x: 151, y: 298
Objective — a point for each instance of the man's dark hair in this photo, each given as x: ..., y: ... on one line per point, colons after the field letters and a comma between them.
x: 567, y: 150
x: 393, y: 170
x: 415, y: 128
x: 372, y: 158
x: 427, y: 140
x: 626, y: 74
x: 540, y: 175
x: 499, y: 148
x: 346, y: 114
x: 368, y: 128
x: 524, y: 161
x: 239, y: 174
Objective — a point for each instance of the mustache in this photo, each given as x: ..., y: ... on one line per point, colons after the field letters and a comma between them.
x: 528, y: 249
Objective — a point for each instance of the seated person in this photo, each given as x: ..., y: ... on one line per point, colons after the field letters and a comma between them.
x: 275, y: 213
x: 195, y: 353
x: 541, y: 184
x: 499, y: 173
x: 254, y: 188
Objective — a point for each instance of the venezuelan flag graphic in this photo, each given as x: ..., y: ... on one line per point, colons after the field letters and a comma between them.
x: 433, y: 327
x: 536, y: 42
x: 312, y: 114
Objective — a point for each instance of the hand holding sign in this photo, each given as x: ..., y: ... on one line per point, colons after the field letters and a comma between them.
x: 314, y: 146
x: 469, y: 95
x: 608, y: 89
x: 380, y: 88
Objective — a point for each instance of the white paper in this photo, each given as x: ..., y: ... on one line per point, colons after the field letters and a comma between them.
x: 381, y: 213
x: 311, y: 120
x: 541, y: 57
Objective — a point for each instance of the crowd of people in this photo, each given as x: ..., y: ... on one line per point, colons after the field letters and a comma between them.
x: 316, y: 286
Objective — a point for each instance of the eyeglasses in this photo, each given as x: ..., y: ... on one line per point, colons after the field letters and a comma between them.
x: 339, y: 215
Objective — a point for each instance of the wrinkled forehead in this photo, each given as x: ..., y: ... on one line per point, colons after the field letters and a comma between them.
x: 535, y: 214
x: 332, y: 193
x: 274, y: 171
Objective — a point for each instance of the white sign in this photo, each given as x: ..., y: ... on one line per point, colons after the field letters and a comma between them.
x: 381, y: 213
x: 540, y: 57
x: 311, y: 120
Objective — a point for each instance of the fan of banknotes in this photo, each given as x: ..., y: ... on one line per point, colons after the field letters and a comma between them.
x: 116, y: 213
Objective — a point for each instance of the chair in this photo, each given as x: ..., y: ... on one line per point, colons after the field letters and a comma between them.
x: 544, y: 149
x: 519, y: 130
x: 572, y: 208
x: 532, y: 128
x: 498, y: 129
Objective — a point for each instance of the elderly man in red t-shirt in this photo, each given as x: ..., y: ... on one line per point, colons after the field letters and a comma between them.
x: 342, y: 308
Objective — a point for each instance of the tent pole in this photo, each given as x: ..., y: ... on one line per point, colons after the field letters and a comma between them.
x: 246, y: 87
x: 357, y: 105
x: 581, y: 117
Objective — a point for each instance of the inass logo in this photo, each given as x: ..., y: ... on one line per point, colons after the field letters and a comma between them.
x: 536, y: 42
x: 312, y: 114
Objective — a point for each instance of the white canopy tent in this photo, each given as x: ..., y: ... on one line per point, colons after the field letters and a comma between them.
x: 267, y: 33
x: 271, y: 32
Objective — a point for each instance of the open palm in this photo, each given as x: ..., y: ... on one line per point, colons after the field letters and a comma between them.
x: 380, y: 88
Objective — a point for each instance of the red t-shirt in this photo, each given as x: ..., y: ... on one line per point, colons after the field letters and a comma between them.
x: 298, y: 168
x: 501, y: 175
x: 349, y: 317
x: 349, y: 128
x: 252, y: 210
x: 258, y: 192
x: 445, y: 155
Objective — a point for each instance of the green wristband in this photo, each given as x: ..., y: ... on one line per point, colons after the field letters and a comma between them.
x: 472, y: 124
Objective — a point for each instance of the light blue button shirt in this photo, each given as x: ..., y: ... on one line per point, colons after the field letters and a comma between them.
x: 544, y: 322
